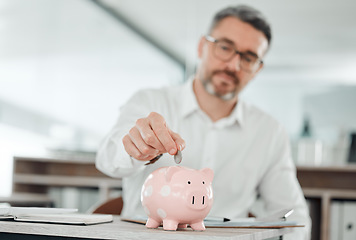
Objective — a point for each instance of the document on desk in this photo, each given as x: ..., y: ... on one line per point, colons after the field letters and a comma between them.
x: 233, y: 223
x: 52, y: 215
x: 250, y: 224
x: 6, y: 212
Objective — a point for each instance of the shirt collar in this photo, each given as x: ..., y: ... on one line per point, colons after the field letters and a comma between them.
x: 189, y: 104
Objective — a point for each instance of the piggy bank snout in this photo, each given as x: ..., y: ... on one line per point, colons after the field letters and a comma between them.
x: 197, y: 200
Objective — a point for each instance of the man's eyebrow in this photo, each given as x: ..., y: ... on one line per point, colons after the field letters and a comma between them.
x: 252, y: 53
x: 227, y: 40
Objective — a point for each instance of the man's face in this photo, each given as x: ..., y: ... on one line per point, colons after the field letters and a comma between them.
x: 225, y: 79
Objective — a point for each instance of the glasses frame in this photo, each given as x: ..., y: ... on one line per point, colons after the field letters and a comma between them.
x: 236, y: 52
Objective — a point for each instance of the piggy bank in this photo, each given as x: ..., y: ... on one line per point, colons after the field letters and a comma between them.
x: 177, y: 196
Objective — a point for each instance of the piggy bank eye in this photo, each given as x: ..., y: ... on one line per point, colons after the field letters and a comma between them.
x: 188, y: 182
x: 203, y: 182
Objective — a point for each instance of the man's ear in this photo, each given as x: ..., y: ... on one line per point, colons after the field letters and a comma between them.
x: 260, y: 67
x: 201, y: 46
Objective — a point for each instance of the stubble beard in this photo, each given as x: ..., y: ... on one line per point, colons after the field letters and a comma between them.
x: 209, y: 88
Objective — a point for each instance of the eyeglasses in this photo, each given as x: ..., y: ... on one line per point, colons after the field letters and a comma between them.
x: 225, y: 51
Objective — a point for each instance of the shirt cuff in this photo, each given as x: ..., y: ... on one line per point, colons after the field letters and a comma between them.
x: 137, y: 163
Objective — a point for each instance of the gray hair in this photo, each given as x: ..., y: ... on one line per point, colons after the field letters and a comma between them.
x: 246, y: 14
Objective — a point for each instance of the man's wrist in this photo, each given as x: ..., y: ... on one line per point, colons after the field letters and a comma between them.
x: 154, y: 159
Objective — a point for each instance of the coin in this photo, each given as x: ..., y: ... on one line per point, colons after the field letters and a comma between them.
x: 178, y: 157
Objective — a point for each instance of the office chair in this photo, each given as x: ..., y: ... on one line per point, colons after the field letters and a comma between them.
x: 111, y: 206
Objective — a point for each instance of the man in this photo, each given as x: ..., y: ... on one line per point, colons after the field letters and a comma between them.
x: 247, y: 149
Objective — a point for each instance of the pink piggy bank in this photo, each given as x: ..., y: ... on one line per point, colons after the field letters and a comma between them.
x: 177, y: 196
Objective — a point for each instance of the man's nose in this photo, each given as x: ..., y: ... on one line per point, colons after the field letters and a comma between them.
x: 234, y: 63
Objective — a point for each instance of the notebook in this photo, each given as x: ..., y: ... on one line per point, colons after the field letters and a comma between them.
x: 53, y: 215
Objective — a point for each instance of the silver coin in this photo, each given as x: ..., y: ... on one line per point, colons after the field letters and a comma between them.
x: 178, y: 157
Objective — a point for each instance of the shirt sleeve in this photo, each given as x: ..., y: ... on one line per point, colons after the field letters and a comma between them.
x: 111, y: 158
x: 280, y: 189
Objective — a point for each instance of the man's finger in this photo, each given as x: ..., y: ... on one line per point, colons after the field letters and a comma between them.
x: 161, y: 131
x: 132, y: 150
x: 140, y: 144
x: 178, y: 140
x: 148, y: 136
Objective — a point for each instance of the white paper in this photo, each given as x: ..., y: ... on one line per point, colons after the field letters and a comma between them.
x: 16, y: 211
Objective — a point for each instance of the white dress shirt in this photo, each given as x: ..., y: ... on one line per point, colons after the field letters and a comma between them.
x: 248, y: 151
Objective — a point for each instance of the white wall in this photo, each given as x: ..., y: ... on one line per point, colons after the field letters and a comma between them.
x: 72, y: 61
x: 69, y: 61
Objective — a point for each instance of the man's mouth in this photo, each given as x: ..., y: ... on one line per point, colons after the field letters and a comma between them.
x: 226, y: 76
x: 226, y: 81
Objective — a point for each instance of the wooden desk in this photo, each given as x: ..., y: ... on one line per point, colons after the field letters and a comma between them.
x: 125, y: 230
x: 321, y: 185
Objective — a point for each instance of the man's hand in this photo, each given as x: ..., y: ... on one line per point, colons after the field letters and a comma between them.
x: 151, y: 137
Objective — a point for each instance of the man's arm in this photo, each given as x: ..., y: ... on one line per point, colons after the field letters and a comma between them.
x: 280, y: 189
x: 138, y: 136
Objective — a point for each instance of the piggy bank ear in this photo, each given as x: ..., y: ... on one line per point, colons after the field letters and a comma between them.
x: 170, y: 171
x: 208, y: 172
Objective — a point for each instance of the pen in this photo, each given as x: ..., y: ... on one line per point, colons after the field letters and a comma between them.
x: 281, y: 215
x: 218, y: 219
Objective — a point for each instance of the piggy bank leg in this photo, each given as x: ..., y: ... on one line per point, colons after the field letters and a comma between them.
x: 198, y: 226
x: 170, y: 225
x: 182, y: 225
x: 151, y: 223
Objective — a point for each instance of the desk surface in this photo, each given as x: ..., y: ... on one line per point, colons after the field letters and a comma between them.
x: 125, y: 230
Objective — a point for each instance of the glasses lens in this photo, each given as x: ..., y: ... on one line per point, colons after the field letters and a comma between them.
x: 224, y: 50
x: 249, y: 62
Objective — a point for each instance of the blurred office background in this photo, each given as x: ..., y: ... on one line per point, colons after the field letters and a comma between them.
x: 66, y: 66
